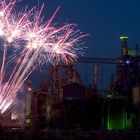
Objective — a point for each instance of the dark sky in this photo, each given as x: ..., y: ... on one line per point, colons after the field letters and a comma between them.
x: 105, y: 20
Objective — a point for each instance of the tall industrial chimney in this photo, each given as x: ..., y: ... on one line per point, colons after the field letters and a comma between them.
x: 124, y: 50
x: 96, y: 69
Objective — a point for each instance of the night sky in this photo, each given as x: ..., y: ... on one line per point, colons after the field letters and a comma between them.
x: 104, y: 20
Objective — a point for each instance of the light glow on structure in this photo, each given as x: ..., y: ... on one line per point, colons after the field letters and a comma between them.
x: 123, y: 37
x: 15, y: 115
x: 31, y: 42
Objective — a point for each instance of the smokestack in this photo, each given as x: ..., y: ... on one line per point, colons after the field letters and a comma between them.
x: 124, y: 50
x: 96, y: 69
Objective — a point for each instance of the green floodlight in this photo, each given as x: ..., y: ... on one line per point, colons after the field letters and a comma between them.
x: 132, y: 52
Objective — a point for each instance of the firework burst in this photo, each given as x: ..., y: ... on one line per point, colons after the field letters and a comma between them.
x: 33, y: 42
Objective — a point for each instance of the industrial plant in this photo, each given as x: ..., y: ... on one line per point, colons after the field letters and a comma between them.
x: 65, y: 108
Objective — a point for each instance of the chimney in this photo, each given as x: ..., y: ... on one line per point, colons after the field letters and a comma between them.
x: 124, y: 50
x: 96, y: 69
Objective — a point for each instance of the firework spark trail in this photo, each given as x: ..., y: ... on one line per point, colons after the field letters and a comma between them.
x: 10, y: 30
x: 11, y: 97
x: 42, y: 41
x: 12, y: 87
x: 3, y: 65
